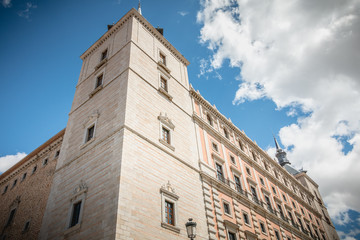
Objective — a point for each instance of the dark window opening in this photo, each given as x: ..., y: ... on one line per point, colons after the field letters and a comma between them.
x: 75, y: 216
x: 99, y: 81
x: 90, y: 133
x: 11, y: 217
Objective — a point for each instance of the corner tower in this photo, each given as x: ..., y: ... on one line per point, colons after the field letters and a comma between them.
x: 128, y: 167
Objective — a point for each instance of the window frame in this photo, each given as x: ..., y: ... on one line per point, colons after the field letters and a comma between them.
x: 228, y: 208
x: 168, y: 195
x: 101, y: 77
x: 90, y: 134
x: 105, y: 56
x: 79, y: 195
x: 248, y: 223
x: 262, y: 224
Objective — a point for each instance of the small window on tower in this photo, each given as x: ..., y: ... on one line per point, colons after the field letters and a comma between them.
x: 162, y: 58
x: 90, y: 133
x: 75, y: 215
x: 104, y: 55
x: 166, y: 135
x: 163, y: 84
x: 99, y: 81
x: 11, y: 217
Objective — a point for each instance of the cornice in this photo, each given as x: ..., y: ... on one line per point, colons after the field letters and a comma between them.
x: 256, y: 165
x: 134, y: 13
x: 32, y: 157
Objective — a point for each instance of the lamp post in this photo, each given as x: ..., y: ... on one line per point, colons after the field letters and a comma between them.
x: 191, y: 229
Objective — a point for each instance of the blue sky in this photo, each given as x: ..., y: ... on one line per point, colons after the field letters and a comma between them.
x: 273, y: 69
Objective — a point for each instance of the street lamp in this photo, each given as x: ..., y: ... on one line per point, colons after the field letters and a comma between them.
x: 191, y: 229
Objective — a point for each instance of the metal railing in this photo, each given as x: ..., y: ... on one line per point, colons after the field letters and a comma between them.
x: 223, y: 180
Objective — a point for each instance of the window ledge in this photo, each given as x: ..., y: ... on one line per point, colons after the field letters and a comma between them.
x: 101, y: 63
x: 163, y: 66
x: 95, y: 91
x: 87, y: 143
x: 228, y: 214
x: 72, y: 230
x: 163, y: 91
x: 167, y: 145
x: 170, y: 227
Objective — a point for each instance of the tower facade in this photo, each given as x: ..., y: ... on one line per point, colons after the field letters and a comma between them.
x: 129, y: 162
x: 143, y: 152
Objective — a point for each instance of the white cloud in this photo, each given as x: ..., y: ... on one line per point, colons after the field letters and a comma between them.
x: 6, y: 3
x: 183, y: 13
x: 9, y: 160
x: 303, y: 55
x: 27, y: 11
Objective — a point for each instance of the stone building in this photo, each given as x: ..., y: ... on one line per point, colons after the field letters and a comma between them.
x: 25, y: 188
x: 143, y: 152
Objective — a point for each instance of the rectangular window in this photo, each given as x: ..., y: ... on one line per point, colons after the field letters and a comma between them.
x: 90, y: 133
x: 280, y: 211
x: 277, y: 235
x: 15, y: 182
x: 226, y: 208
x: 274, y: 190
x: 11, y: 217
x: 246, y: 218
x: 45, y: 162
x: 169, y: 213
x: 5, y: 189
x: 219, y: 172
x: 162, y: 58
x: 99, y: 81
x: 302, y: 211
x: 232, y: 236
x: 57, y: 153
x: 238, y: 183
x: 209, y: 119
x: 163, y: 84
x: 248, y: 171
x: 310, y: 216
x: 268, y: 203
x: 262, y: 181
x: 293, y: 203
x: 291, y: 218
x: 311, y: 233
x: 26, y: 226
x: 253, y: 191
x: 232, y: 159
x: 23, y: 177
x: 284, y: 197
x: 301, y: 225
x: 226, y: 133
x: 262, y: 226
x: 104, y: 55
x: 165, y: 135
x: 34, y: 169
x: 215, y: 147
x: 75, y: 215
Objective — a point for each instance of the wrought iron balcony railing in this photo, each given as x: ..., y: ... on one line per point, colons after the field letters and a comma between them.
x: 223, y: 180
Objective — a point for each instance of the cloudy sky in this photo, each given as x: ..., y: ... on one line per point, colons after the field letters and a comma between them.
x: 289, y: 68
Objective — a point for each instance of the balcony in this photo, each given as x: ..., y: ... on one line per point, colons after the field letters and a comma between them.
x: 223, y: 180
x: 256, y: 200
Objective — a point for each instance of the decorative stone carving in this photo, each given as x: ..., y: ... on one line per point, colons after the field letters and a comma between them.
x: 167, y: 187
x: 166, y: 121
x: 79, y: 189
x: 92, y: 118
